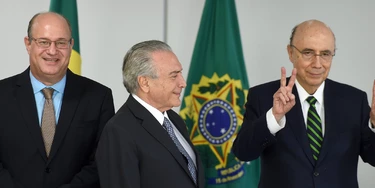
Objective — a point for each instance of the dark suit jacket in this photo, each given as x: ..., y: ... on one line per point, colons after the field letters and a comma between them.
x: 136, y: 152
x: 86, y: 107
x: 286, y: 158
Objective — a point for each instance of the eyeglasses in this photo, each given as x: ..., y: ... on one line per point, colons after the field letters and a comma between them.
x: 46, y: 43
x: 309, y: 54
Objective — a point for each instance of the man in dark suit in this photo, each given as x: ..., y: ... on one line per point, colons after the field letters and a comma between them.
x: 50, y: 142
x: 146, y: 144
x: 303, y: 141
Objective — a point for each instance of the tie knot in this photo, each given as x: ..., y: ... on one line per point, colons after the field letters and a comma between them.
x: 47, y: 92
x: 166, y: 122
x: 311, y: 100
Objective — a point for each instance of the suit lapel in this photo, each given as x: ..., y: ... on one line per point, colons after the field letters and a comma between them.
x: 26, y: 102
x: 72, y: 94
x: 180, y: 125
x: 332, y: 102
x: 152, y: 126
x: 296, y: 122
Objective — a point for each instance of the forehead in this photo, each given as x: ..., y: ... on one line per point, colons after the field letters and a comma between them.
x: 166, y: 61
x: 50, y: 26
x: 315, y: 36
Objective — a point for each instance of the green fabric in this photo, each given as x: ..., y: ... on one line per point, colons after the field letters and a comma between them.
x: 314, y: 128
x: 68, y: 8
x: 214, y: 99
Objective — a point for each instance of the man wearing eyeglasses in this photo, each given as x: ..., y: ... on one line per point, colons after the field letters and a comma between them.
x: 309, y: 131
x: 50, y: 118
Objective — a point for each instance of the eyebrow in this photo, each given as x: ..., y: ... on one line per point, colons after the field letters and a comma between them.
x: 309, y: 49
x: 175, y: 72
x: 51, y: 40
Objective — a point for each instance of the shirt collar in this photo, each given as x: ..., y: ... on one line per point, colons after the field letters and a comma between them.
x: 302, y: 93
x: 155, y: 112
x: 38, y: 85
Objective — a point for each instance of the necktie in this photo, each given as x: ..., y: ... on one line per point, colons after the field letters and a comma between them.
x: 168, y: 126
x: 48, y: 120
x: 314, y: 128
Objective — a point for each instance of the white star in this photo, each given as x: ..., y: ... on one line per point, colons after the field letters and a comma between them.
x: 222, y: 131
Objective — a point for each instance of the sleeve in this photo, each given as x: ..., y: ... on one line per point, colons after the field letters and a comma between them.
x: 367, y: 150
x: 88, y: 176
x: 272, y: 124
x: 6, y: 180
x: 117, y: 160
x: 254, y: 135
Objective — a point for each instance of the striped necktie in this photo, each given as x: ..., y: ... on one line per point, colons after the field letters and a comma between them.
x: 314, y: 128
x: 191, y: 166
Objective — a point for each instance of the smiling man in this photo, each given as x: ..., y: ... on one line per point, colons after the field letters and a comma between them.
x: 146, y: 144
x: 308, y: 130
x: 50, y: 118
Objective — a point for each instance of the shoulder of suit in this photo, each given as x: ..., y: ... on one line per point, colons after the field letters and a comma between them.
x: 265, y: 89
x: 85, y: 81
x: 12, y: 80
x: 342, y: 87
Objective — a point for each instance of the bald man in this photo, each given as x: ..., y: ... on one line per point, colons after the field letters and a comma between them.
x: 50, y: 118
x: 308, y: 130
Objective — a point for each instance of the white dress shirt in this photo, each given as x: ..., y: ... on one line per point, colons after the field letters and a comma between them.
x: 275, y: 126
x: 160, y: 118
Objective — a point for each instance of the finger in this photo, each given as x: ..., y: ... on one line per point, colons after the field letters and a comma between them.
x: 280, y: 97
x: 283, y: 77
x: 292, y: 79
x: 291, y: 97
x: 373, y: 96
x: 284, y: 93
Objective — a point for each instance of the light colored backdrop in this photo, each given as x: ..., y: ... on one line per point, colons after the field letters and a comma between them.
x: 109, y: 28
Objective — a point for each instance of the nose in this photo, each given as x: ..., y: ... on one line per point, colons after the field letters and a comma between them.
x: 182, y: 82
x: 52, y: 49
x: 316, y: 61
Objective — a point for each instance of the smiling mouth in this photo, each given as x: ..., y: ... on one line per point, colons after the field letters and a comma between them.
x: 315, y: 74
x: 51, y: 59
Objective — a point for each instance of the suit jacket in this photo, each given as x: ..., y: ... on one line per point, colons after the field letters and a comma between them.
x: 86, y: 107
x: 286, y: 158
x: 136, y: 152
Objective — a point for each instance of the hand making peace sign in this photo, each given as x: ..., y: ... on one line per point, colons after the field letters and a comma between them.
x: 284, y: 99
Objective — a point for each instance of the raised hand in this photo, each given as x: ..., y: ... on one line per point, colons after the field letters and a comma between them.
x: 284, y: 99
x: 372, y: 112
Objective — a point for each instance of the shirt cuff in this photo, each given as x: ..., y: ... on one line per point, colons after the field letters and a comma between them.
x: 275, y: 126
x: 369, y: 124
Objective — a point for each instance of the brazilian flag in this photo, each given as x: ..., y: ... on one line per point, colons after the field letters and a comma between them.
x: 68, y: 8
x: 214, y: 99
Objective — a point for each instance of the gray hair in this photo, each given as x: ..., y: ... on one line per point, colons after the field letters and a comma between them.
x: 138, y: 62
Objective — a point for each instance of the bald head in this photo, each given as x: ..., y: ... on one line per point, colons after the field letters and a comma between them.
x: 311, y: 49
x: 49, y: 16
x: 308, y: 28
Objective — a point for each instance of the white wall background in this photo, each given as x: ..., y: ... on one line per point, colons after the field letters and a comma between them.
x: 109, y: 28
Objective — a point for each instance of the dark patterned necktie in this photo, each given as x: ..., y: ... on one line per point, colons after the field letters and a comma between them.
x: 191, y: 166
x: 314, y: 128
x: 48, y: 120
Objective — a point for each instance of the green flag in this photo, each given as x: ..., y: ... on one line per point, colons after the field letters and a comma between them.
x: 68, y: 8
x: 215, y: 96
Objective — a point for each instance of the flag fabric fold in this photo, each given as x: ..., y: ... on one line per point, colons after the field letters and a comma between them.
x: 68, y: 8
x: 214, y: 99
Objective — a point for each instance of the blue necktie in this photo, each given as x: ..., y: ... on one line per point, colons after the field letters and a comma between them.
x: 191, y: 166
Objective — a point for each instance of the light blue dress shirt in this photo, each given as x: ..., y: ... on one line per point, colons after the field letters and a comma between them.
x: 56, y: 97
